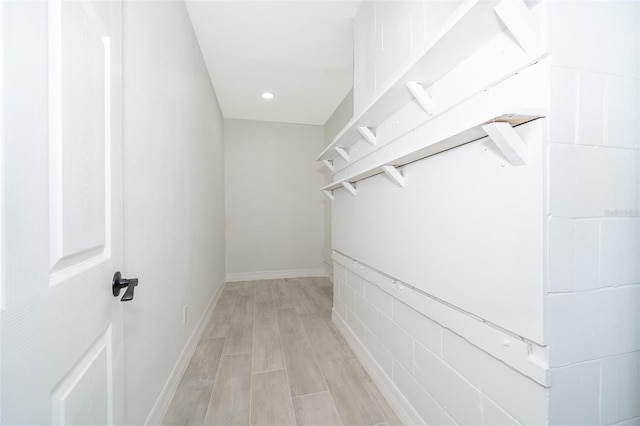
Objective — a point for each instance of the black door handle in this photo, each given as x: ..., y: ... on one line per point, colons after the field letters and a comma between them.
x: 120, y: 283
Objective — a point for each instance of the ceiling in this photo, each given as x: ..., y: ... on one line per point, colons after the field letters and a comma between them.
x: 300, y: 50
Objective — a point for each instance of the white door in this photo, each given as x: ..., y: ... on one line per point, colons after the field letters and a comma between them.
x: 61, y: 215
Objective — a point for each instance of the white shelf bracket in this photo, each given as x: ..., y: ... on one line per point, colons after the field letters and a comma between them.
x: 421, y: 96
x: 394, y: 175
x: 368, y: 135
x: 329, y: 164
x: 328, y: 193
x: 349, y: 187
x: 519, y: 20
x: 342, y: 153
x: 507, y: 141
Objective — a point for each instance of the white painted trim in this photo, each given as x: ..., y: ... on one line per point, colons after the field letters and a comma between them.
x: 391, y: 393
x: 272, y: 275
x: 171, y: 385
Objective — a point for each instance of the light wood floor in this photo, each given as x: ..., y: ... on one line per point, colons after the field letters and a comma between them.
x: 271, y: 356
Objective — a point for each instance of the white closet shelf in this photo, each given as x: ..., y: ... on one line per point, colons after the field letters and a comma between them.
x: 473, y: 24
x: 427, y: 145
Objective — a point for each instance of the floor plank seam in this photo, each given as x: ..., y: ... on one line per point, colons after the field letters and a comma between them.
x: 287, y: 375
x: 213, y: 382
x: 253, y: 336
x: 375, y: 401
x: 251, y: 385
x: 313, y: 351
x: 311, y: 394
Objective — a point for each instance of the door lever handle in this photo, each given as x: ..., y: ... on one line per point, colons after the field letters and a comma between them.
x: 119, y: 283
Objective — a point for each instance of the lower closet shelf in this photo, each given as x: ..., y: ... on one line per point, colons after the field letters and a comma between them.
x: 427, y: 140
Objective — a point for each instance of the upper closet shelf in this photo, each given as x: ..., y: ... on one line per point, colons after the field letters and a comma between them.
x: 472, y: 25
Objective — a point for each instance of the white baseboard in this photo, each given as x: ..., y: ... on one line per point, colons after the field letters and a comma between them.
x: 391, y: 393
x: 272, y: 275
x: 164, y: 399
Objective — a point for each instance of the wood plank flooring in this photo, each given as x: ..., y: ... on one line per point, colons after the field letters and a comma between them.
x: 271, y: 356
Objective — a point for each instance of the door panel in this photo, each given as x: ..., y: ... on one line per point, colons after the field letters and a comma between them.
x: 83, y: 396
x: 79, y: 140
x: 60, y: 326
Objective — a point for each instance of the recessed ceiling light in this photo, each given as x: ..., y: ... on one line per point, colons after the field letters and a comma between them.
x: 267, y: 95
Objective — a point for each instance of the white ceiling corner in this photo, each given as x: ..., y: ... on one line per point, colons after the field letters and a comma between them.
x: 300, y: 50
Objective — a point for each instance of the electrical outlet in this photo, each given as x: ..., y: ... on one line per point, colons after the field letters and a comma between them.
x: 184, y: 314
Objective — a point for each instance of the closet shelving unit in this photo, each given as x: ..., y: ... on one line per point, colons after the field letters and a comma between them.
x: 471, y: 26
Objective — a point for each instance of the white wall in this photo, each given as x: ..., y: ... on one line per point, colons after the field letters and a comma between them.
x: 446, y: 232
x: 439, y: 285
x: 173, y: 198
x: 274, y: 209
x: 594, y: 212
x: 426, y: 356
x: 387, y: 34
x: 340, y: 117
x: 466, y: 229
x: 440, y: 366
